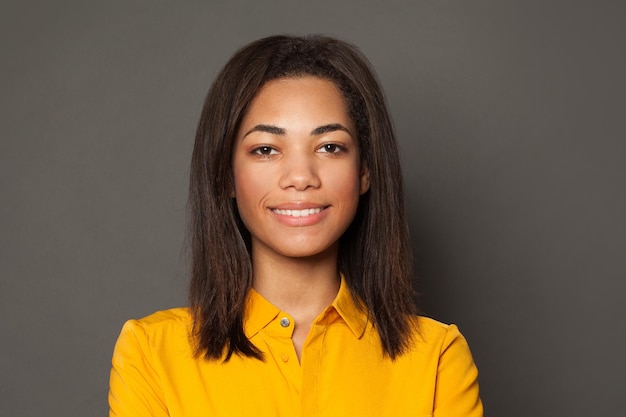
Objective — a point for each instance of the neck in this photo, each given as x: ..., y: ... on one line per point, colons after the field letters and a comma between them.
x: 303, y: 287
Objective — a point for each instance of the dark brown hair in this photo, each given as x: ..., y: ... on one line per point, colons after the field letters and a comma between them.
x: 374, y: 253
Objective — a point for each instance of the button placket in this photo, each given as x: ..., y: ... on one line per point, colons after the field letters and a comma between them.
x: 286, y: 327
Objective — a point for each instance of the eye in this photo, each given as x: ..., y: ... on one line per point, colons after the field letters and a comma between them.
x: 331, y: 148
x: 264, y: 150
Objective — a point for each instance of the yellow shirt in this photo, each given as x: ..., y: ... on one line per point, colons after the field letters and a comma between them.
x: 342, y: 370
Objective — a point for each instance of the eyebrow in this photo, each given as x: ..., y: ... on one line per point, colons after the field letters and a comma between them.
x: 275, y: 130
x: 333, y: 127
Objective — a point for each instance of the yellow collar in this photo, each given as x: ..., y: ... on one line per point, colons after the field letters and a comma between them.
x: 260, y: 312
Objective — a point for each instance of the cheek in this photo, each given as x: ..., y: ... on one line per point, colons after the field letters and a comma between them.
x: 243, y: 180
x: 244, y: 202
x: 249, y: 190
x: 244, y: 190
x: 346, y: 186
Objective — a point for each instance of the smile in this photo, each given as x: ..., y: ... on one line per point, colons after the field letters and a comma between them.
x: 297, y: 213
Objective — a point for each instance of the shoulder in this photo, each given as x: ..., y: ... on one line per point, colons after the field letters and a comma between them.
x: 432, y: 325
x: 147, y: 349
x: 439, y: 338
x: 427, y: 328
x: 164, y: 327
x: 159, y: 319
x: 454, y: 373
x: 164, y: 319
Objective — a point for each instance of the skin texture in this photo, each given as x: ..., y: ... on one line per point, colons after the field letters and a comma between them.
x: 282, y: 162
x: 297, y: 150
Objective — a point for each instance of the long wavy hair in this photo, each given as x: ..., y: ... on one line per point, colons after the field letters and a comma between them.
x: 374, y: 253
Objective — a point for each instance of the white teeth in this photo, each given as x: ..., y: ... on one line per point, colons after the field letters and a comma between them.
x: 298, y: 213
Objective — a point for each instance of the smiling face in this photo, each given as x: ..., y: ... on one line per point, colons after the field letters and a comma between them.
x: 297, y: 169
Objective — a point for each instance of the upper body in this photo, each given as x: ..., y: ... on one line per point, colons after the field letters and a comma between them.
x: 342, y: 371
x: 295, y: 177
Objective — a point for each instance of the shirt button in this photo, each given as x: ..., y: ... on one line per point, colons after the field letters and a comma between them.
x: 284, y: 357
x: 284, y: 322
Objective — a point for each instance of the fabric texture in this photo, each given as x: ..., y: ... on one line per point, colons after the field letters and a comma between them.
x: 342, y: 371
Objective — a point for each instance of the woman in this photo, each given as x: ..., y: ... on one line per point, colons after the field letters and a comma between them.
x: 300, y: 299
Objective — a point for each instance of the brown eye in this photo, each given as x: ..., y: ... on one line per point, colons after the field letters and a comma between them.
x: 264, y: 150
x: 331, y: 148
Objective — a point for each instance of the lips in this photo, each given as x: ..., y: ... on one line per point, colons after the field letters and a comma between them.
x: 297, y: 213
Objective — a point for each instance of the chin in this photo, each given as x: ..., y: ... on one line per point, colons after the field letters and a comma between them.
x: 306, y: 250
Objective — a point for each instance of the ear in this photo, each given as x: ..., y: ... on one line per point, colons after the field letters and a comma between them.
x: 365, y: 180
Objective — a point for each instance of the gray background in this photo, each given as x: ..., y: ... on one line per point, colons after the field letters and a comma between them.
x: 510, y: 117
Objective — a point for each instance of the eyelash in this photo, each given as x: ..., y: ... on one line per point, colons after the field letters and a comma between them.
x: 337, y: 148
x: 265, y: 151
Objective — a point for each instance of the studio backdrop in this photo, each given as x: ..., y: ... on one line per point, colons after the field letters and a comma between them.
x: 509, y: 116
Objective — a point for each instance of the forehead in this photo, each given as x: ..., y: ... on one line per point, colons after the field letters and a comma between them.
x: 304, y: 84
x: 305, y: 97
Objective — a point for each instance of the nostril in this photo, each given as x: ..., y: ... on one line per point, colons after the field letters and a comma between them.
x: 300, y: 177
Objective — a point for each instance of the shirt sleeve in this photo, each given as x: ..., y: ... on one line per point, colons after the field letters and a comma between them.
x: 134, y: 388
x: 456, y: 392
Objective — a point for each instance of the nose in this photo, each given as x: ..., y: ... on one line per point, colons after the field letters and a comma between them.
x: 299, y: 171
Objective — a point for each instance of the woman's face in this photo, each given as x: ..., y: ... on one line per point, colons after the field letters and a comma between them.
x: 297, y: 169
